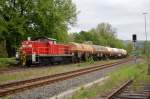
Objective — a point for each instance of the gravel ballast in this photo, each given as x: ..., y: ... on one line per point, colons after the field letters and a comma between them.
x: 48, y: 91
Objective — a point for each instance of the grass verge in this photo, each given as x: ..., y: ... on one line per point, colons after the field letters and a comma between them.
x: 116, y: 78
x: 6, y: 62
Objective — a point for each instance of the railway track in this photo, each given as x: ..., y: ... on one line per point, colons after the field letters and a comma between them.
x: 19, y: 68
x: 19, y: 86
x: 130, y: 91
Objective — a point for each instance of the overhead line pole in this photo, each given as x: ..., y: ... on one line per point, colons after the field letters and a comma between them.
x: 145, y: 13
x: 145, y: 50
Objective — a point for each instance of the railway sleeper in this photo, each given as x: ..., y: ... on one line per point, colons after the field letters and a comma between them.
x: 129, y: 97
x: 132, y: 94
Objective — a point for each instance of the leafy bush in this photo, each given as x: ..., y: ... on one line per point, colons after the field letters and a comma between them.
x: 5, y: 62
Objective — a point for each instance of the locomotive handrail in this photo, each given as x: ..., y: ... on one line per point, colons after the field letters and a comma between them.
x: 46, y: 50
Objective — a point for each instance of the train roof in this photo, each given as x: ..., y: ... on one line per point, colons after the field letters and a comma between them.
x: 44, y: 38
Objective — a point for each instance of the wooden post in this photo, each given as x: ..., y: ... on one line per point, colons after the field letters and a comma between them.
x: 148, y: 69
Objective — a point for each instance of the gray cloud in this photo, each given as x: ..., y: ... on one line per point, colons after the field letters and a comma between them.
x: 125, y: 15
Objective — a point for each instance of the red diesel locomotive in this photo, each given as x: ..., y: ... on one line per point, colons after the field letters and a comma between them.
x: 42, y: 50
x: 45, y: 50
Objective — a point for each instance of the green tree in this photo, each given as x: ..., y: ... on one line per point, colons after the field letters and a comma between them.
x: 13, y: 20
x: 53, y: 18
x: 103, y: 34
x: 83, y: 36
x: 22, y: 18
x: 129, y: 47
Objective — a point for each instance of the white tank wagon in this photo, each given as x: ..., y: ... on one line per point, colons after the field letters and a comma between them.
x: 82, y: 51
x: 100, y: 51
x: 109, y: 51
x: 118, y: 53
x: 124, y: 52
x: 114, y: 52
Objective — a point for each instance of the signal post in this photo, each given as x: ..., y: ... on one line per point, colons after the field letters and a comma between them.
x: 134, y: 40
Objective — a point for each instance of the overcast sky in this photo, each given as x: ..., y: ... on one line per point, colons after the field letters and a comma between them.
x: 124, y: 15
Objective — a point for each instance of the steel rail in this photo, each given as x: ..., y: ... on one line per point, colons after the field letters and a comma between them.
x: 18, y: 86
x: 55, y: 75
x: 111, y: 95
x: 126, y: 91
